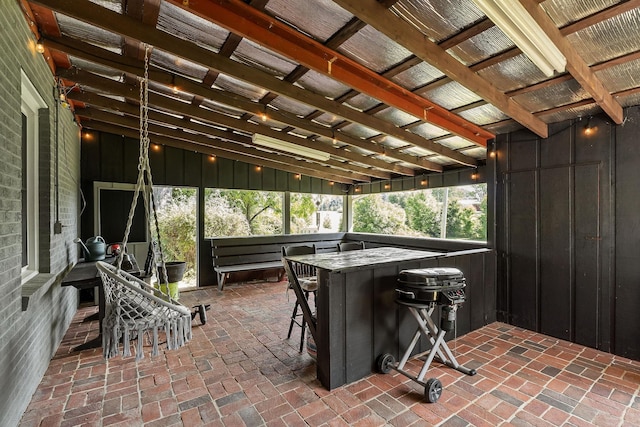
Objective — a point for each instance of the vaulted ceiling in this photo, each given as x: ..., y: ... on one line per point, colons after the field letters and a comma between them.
x: 384, y: 88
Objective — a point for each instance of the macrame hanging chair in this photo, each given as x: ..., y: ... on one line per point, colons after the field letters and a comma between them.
x: 133, y: 309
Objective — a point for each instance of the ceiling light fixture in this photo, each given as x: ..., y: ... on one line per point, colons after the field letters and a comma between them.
x: 289, y: 147
x: 514, y: 20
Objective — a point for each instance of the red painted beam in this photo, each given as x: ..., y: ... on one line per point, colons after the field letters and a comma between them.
x: 242, y: 19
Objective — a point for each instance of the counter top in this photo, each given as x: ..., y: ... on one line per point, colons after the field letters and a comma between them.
x: 353, y: 260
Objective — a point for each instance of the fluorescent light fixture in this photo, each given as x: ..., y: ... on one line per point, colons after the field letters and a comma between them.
x: 289, y: 147
x: 514, y: 20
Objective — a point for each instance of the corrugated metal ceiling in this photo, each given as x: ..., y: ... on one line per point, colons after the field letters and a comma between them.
x: 333, y: 105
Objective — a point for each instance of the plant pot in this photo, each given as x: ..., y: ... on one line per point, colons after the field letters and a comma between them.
x: 175, y: 271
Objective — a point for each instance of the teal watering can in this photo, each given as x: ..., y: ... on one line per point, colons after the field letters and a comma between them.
x: 94, y: 248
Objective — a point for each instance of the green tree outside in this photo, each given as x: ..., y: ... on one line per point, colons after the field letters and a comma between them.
x: 423, y: 213
x: 373, y: 214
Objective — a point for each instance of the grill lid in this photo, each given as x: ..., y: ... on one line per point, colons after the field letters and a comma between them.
x: 432, y: 277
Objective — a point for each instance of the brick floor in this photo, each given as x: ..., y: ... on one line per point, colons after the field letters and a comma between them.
x: 240, y: 369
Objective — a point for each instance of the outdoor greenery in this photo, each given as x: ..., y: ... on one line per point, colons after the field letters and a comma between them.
x: 420, y: 213
x: 250, y: 213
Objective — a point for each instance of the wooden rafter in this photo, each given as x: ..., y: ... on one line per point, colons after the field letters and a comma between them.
x: 241, y: 19
x: 236, y: 140
x: 131, y: 91
x: 89, y: 12
x: 131, y: 66
x: 181, y: 134
x: 212, y: 150
x: 396, y: 29
x: 575, y: 64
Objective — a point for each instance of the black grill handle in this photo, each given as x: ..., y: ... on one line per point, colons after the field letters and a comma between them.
x: 409, y: 294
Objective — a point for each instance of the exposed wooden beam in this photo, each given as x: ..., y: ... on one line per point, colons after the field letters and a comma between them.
x: 131, y: 92
x: 89, y: 12
x: 242, y: 157
x: 101, y: 56
x: 397, y: 29
x: 608, y: 13
x: 464, y: 35
x: 239, y: 18
x: 347, y: 170
x: 180, y: 134
x: 575, y: 64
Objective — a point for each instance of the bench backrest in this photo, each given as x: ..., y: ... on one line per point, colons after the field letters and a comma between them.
x: 256, y: 249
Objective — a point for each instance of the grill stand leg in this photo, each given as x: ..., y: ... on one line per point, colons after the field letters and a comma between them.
x: 428, y: 328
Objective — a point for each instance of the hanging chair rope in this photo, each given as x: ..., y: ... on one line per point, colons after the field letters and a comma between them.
x: 144, y: 183
x: 132, y: 306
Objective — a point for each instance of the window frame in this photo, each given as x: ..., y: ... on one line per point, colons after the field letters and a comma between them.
x: 30, y: 106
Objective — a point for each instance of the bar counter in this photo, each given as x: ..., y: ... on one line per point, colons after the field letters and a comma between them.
x: 357, y: 317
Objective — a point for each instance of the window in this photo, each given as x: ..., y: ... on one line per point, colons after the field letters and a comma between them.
x: 242, y: 213
x: 31, y: 104
x: 111, y: 206
x: 451, y: 213
x: 315, y: 213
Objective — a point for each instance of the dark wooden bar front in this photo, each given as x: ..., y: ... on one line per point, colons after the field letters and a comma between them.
x: 358, y: 319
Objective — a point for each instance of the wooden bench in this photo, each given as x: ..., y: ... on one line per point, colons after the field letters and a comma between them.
x: 257, y: 253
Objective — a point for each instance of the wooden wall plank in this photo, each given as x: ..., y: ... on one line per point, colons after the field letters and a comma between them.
x: 209, y: 172
x: 192, y: 168
x: 625, y: 296
x: 359, y: 316
x: 131, y: 159
x: 587, y: 250
x: 111, y: 157
x: 522, y: 248
x: 255, y: 177
x: 555, y: 299
x: 225, y: 173
x: 174, y: 161
x: 269, y: 179
x: 157, y: 164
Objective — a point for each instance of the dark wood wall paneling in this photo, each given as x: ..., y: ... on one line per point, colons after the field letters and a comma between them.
x: 625, y: 297
x: 567, y: 233
x: 113, y: 158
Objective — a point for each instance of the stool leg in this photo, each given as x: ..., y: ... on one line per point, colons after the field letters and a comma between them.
x: 293, y: 317
x: 304, y: 324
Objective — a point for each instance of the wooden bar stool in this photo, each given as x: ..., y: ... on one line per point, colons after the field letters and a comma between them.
x: 308, y: 283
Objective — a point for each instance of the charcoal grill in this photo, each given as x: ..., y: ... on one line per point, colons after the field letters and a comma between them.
x: 421, y: 291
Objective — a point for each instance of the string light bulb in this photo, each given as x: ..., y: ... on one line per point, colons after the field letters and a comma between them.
x: 474, y: 175
x: 258, y: 168
x: 39, y: 47
x: 589, y: 129
x: 263, y: 115
x: 212, y: 158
